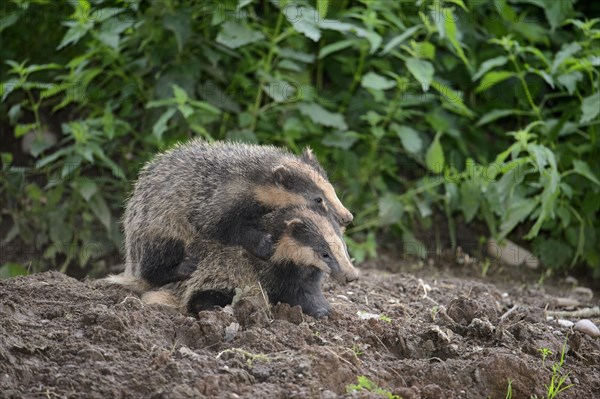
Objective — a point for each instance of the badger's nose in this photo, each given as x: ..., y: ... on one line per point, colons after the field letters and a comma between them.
x: 352, y: 276
x: 346, y: 219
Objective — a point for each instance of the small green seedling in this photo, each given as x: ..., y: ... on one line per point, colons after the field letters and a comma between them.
x: 365, y: 384
x: 385, y: 318
x: 509, y: 390
x: 545, y: 353
x: 556, y: 382
x: 356, y: 350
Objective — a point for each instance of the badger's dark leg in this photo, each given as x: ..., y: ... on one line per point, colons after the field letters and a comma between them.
x: 240, y: 226
x: 207, y: 300
x: 298, y: 286
x: 164, y: 261
x: 258, y: 243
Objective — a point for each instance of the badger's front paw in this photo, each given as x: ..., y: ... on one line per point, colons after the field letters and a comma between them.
x: 317, y: 309
x: 186, y: 268
x: 321, y: 312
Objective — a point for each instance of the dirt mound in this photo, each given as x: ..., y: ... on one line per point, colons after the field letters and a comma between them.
x: 415, y: 338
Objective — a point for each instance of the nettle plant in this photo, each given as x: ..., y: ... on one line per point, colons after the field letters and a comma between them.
x: 481, y: 111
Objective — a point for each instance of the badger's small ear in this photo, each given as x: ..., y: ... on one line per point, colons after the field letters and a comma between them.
x: 293, y: 222
x: 281, y: 174
x: 308, y: 155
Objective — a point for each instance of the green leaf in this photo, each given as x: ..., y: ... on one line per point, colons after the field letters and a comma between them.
x: 470, y: 195
x: 495, y: 114
x: 280, y: 91
x: 86, y: 188
x: 422, y: 71
x: 338, y: 139
x: 10, y: 269
x: 554, y: 253
x: 390, y: 210
x: 424, y: 50
x: 161, y: 103
x: 234, y: 35
x: 111, y: 39
x: 185, y: 110
x: 100, y: 209
x: 14, y: 114
x: 557, y: 12
x: 452, y: 99
x: 373, y: 38
x: 321, y: 116
x: 454, y: 35
x: 544, y: 75
x: 459, y: 3
x: 518, y: 209
x: 23, y: 128
x: 590, y: 107
x: 180, y: 95
x: 487, y: 65
x: 335, y: 47
x: 322, y: 6
x: 410, y: 138
x: 75, y: 33
x: 570, y: 80
x: 179, y: 24
x: 566, y: 51
x: 305, y: 21
x: 374, y: 81
x: 8, y: 87
x: 296, y: 55
x: 161, y: 124
x: 582, y: 168
x: 434, y: 158
x: 204, y: 106
x: 492, y: 78
x: 398, y: 40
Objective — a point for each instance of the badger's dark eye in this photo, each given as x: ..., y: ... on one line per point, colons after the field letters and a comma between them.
x: 318, y: 200
x: 325, y: 255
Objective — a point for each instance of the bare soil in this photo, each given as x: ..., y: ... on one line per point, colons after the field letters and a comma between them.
x: 437, y: 337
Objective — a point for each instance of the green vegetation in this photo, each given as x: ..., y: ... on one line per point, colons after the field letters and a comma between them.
x: 509, y: 390
x: 367, y: 385
x: 557, y: 381
x: 486, y: 112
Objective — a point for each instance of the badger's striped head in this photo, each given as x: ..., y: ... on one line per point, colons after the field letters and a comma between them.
x: 302, y: 181
x: 307, y: 238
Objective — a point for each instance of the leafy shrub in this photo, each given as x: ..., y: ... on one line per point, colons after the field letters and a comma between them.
x: 480, y: 110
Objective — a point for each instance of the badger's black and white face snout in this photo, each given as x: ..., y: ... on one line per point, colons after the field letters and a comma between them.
x: 335, y: 256
x: 315, y: 240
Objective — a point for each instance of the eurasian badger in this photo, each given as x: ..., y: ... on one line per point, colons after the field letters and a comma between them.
x: 199, y: 191
x: 307, y: 245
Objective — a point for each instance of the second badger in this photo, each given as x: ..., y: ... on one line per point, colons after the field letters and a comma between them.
x: 199, y: 191
x: 308, y: 245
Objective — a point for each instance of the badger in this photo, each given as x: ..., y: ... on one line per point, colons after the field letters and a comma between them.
x: 307, y: 246
x: 220, y: 191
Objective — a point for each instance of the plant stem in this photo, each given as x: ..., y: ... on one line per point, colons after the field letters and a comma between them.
x: 266, y: 68
x: 35, y: 108
x: 521, y: 76
x: 357, y: 77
